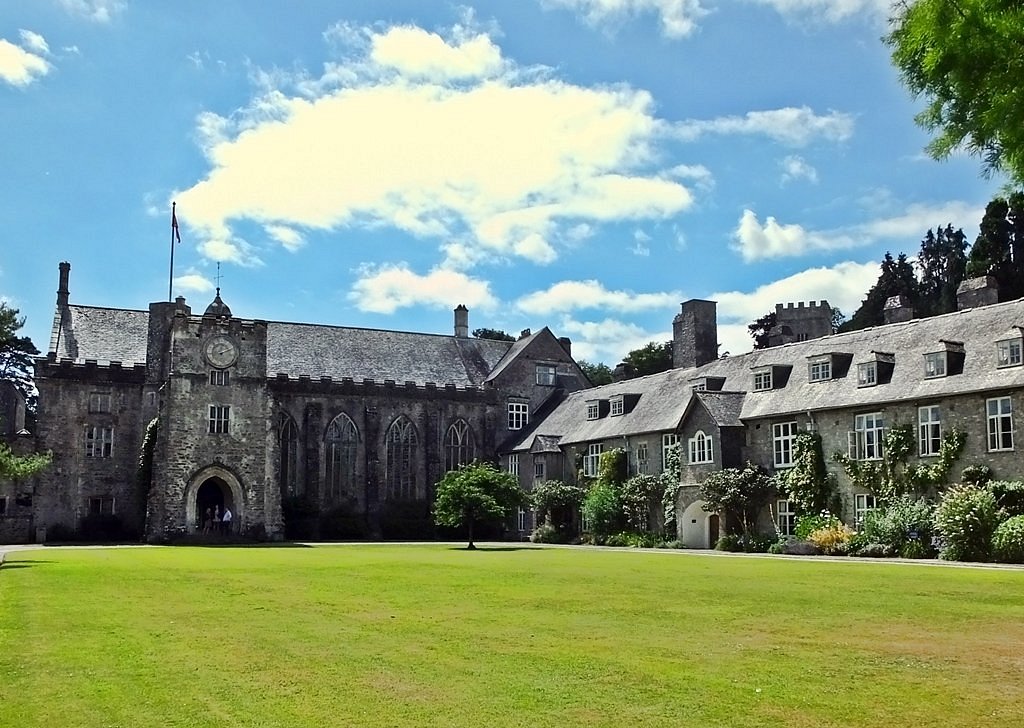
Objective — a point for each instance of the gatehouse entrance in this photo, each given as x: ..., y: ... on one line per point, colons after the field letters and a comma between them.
x: 209, y: 493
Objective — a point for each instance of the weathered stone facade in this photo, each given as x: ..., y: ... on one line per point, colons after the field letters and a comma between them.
x: 259, y: 417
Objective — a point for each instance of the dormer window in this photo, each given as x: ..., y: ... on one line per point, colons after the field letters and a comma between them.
x: 820, y: 370
x: 935, y: 364
x: 763, y: 379
x: 867, y: 374
x: 617, y: 407
x: 700, y: 386
x: 546, y: 375
x: 593, y: 410
x: 1008, y: 353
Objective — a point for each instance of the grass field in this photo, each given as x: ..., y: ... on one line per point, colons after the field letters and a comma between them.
x: 438, y: 636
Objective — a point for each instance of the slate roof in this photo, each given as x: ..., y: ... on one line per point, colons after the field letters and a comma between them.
x: 103, y: 334
x: 665, y: 397
x: 107, y: 334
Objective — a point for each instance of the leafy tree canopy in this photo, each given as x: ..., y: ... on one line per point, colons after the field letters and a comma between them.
x: 740, y: 493
x: 760, y: 329
x: 897, y: 278
x: 16, y: 353
x: 496, y: 334
x: 963, y: 57
x: 942, y: 263
x: 598, y: 374
x: 999, y: 248
x: 16, y: 467
x: 650, y: 359
x: 476, y: 492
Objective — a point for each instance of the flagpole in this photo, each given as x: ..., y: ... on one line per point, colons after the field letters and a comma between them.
x: 174, y: 232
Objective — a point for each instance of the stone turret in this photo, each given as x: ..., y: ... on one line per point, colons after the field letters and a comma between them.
x: 695, y: 334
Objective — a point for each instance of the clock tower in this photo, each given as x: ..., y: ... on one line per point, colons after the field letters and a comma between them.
x: 214, y: 443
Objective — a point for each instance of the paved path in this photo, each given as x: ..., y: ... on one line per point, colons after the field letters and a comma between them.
x: 483, y: 546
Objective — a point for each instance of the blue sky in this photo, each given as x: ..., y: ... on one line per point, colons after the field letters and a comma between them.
x: 581, y: 164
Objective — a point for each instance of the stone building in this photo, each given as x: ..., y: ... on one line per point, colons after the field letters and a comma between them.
x: 345, y: 431
x: 961, y: 370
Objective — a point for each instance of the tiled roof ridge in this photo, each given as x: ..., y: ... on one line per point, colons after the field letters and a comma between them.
x: 379, y: 330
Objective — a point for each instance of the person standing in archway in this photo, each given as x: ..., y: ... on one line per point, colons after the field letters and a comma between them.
x: 226, y: 521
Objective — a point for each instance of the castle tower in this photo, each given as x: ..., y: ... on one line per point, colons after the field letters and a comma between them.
x: 695, y: 334
x: 799, y: 322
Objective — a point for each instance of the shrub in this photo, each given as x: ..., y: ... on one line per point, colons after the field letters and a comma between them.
x: 874, y: 551
x: 833, y: 539
x: 903, y: 520
x: 1008, y: 541
x: 745, y: 543
x: 729, y: 542
x: 642, y: 496
x: 546, y: 533
x: 1009, y: 495
x: 800, y: 548
x: 633, y: 539
x: 603, y: 510
x: 976, y: 474
x: 808, y: 523
x: 966, y: 518
x: 557, y: 503
x: 914, y: 550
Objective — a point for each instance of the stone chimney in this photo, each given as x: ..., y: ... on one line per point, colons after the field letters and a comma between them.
x: 566, y: 343
x: 524, y: 333
x: 461, y: 322
x: 63, y: 293
x: 976, y: 292
x: 695, y: 334
x: 622, y: 371
x: 897, y: 309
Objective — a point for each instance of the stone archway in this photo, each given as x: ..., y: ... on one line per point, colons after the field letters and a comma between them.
x: 699, y: 529
x: 213, y: 486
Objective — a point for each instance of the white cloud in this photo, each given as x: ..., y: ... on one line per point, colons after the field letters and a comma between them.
x: 100, y: 11
x: 20, y: 67
x: 193, y: 282
x: 796, y: 127
x: 386, y: 289
x: 290, y: 238
x: 421, y: 156
x: 608, y: 340
x: 795, y: 167
x: 700, y: 175
x: 678, y: 17
x: 775, y: 240
x: 572, y: 295
x: 416, y: 53
x: 829, y: 11
x: 34, y: 42
x: 842, y: 285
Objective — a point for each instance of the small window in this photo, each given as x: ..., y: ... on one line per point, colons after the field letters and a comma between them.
x: 546, y: 375
x: 521, y: 520
x: 102, y: 506
x: 220, y: 417
x: 513, y: 465
x: 783, y: 439
x: 785, y: 515
x: 929, y: 426
x: 762, y: 380
x: 538, y: 468
x: 99, y: 442
x: 3, y: 505
x: 1008, y: 353
x: 219, y: 377
x: 669, y: 443
x: 867, y: 374
x: 518, y: 415
x: 820, y: 370
x: 617, y: 407
x: 592, y: 461
x: 641, y: 457
x: 593, y: 410
x: 1000, y: 423
x: 935, y: 364
x: 99, y: 402
x: 866, y: 440
x: 864, y: 503
x: 701, y: 451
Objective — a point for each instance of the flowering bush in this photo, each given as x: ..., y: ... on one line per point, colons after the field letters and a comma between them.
x: 966, y: 518
x: 902, y: 522
x: 833, y: 539
x: 1008, y: 541
x: 808, y: 523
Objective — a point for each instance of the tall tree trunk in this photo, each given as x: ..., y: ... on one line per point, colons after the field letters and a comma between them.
x: 471, y: 546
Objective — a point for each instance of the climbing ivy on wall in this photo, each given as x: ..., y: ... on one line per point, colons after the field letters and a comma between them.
x: 808, y: 484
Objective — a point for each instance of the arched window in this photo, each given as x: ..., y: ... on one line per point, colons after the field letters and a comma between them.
x: 459, y: 448
x: 700, y: 448
x: 401, y: 460
x: 340, y: 457
x: 290, y: 483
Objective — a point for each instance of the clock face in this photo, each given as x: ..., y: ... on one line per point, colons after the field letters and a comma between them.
x: 220, y: 351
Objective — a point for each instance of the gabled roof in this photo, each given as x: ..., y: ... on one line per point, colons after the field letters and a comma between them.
x: 665, y: 398
x: 108, y: 334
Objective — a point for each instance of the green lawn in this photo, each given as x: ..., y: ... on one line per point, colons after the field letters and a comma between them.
x: 438, y: 636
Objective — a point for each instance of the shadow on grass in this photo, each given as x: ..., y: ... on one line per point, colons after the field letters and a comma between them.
x: 493, y: 548
x: 26, y: 564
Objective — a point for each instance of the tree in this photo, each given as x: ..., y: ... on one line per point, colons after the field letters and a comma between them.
x: 650, y: 359
x: 838, y: 319
x: 556, y: 503
x: 19, y: 467
x: 740, y: 494
x: 963, y: 58
x: 897, y: 278
x: 943, y: 265
x: 998, y: 250
x: 476, y: 492
x: 495, y: 334
x: 761, y: 328
x: 598, y: 374
x: 16, y: 354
